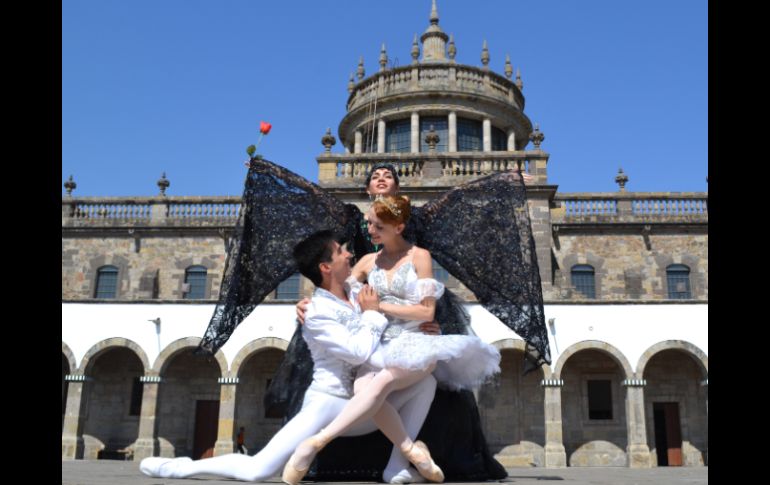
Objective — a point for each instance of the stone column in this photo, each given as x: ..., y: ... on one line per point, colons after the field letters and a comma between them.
x: 625, y: 208
x: 158, y: 211
x: 637, y: 450
x: 415, y: 133
x: 147, y: 442
x: 555, y: 454
x: 381, y: 136
x: 487, y: 137
x: 358, y: 143
x: 226, y: 430
x: 452, y: 142
x: 67, y: 212
x: 327, y: 168
x: 511, y: 140
x: 538, y: 163
x: 72, y: 446
x: 705, y: 383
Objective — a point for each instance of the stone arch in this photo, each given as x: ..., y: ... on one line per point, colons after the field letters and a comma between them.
x: 256, y: 346
x: 100, y: 347
x: 178, y: 345
x: 700, y: 357
x: 70, y: 356
x: 512, y: 409
x: 518, y: 344
x: 604, y: 347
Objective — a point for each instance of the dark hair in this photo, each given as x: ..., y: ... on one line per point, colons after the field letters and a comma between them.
x: 312, y: 251
x: 378, y: 166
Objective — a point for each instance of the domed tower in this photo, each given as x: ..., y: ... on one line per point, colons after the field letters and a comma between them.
x: 441, y: 124
x: 474, y: 116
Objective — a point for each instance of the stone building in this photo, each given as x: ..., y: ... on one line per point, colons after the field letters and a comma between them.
x: 625, y: 282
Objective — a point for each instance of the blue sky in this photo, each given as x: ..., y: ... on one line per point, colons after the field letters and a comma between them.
x: 179, y: 86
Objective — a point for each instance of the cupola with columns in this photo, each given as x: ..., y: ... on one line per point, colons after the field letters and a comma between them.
x: 476, y: 113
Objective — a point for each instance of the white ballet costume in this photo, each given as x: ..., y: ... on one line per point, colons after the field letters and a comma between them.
x: 462, y: 361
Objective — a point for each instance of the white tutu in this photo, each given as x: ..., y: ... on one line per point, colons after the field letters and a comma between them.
x: 462, y: 361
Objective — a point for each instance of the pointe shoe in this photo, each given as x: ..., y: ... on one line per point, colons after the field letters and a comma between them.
x: 159, y: 467
x: 291, y: 474
x: 419, y: 456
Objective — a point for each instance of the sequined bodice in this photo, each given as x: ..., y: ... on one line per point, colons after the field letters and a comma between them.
x: 404, y: 274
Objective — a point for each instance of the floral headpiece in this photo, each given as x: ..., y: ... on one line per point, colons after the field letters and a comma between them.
x: 393, y: 208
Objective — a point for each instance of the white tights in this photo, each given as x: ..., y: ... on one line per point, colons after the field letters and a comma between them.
x: 318, y: 410
x: 368, y: 402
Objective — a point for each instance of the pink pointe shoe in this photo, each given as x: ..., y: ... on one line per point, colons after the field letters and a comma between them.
x: 291, y: 474
x: 419, y: 456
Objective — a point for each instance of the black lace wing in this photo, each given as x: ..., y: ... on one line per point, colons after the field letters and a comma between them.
x: 480, y: 232
x: 280, y: 209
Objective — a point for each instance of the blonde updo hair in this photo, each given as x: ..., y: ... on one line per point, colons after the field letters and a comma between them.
x: 392, y: 209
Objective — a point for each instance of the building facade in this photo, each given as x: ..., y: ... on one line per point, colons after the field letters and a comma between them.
x: 625, y: 284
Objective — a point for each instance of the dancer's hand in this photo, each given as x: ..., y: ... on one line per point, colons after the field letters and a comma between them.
x: 302, y: 309
x: 368, y: 299
x: 430, y: 328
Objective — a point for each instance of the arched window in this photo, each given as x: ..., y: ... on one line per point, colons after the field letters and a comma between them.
x: 678, y: 277
x: 499, y: 140
x: 469, y: 135
x: 106, y: 282
x: 195, y: 283
x: 369, y: 139
x: 288, y: 289
x: 398, y: 136
x: 583, y: 280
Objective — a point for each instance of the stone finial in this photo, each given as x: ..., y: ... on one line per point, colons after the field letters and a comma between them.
x: 434, y: 14
x: 536, y: 137
x: 621, y: 180
x: 383, y: 58
x: 360, y: 71
x: 432, y: 139
x: 485, y: 55
x: 434, y: 40
x: 519, y: 83
x: 70, y: 185
x: 328, y: 140
x: 351, y: 84
x: 508, y: 67
x: 163, y: 183
x: 452, y: 48
x: 415, y: 50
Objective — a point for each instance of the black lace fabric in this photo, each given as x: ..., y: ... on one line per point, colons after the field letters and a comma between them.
x: 280, y: 209
x: 479, y: 232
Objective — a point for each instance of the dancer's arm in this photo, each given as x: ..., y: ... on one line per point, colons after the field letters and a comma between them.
x: 362, y: 268
x: 353, y: 342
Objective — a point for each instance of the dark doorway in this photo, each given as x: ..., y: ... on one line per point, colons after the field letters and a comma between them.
x: 668, y: 433
x: 206, y: 426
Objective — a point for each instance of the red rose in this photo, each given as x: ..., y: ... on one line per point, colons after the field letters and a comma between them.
x: 264, y: 127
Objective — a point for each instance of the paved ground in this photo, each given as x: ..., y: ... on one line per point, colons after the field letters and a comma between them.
x: 109, y: 472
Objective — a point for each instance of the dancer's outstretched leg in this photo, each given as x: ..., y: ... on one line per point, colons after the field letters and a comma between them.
x: 319, y: 409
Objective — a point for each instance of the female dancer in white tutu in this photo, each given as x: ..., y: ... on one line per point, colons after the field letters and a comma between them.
x: 402, y: 275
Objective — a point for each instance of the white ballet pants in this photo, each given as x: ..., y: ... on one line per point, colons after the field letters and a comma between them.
x: 318, y: 410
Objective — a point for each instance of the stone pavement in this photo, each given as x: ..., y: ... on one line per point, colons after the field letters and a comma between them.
x: 110, y: 472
